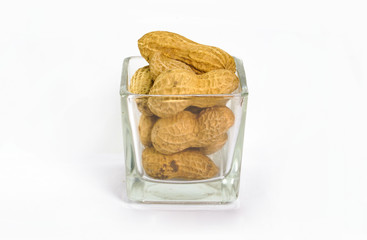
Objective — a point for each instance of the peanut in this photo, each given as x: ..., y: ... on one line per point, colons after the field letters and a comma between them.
x: 188, y: 165
x: 181, y: 81
x: 142, y: 104
x: 140, y: 83
x: 201, y: 57
x: 145, y: 128
x: 185, y: 130
x: 215, y: 146
x: 146, y: 124
x: 160, y: 63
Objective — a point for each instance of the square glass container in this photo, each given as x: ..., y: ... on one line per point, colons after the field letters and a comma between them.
x: 219, y: 189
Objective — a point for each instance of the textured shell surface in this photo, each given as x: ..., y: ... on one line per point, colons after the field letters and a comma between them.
x: 146, y: 124
x: 188, y: 165
x: 186, y: 129
x: 201, y: 57
x: 141, y: 81
x: 160, y: 63
x: 174, y: 134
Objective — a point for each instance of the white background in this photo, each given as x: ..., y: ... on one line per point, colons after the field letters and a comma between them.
x: 305, y: 162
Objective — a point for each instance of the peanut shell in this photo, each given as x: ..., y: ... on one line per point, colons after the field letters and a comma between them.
x: 187, y: 165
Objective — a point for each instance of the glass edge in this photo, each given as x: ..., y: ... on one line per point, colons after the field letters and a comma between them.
x: 239, y: 68
x: 241, y: 75
x: 124, y: 76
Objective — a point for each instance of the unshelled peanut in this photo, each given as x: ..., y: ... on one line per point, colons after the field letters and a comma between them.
x: 216, y: 146
x: 187, y: 165
x: 160, y: 63
x: 145, y: 128
x: 185, y: 130
x: 140, y: 83
x: 181, y: 81
x: 146, y: 124
x: 201, y: 57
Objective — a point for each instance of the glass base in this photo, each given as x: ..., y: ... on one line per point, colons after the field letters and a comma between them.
x: 220, y: 191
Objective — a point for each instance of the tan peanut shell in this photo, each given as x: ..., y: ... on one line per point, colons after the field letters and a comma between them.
x: 188, y: 165
x: 146, y: 124
x: 186, y: 130
x: 181, y: 81
x: 142, y: 104
x: 145, y: 129
x: 214, y: 147
x: 140, y: 83
x: 160, y: 63
x: 213, y: 123
x: 201, y: 57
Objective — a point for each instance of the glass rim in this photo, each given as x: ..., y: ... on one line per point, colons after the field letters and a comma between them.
x: 239, y: 70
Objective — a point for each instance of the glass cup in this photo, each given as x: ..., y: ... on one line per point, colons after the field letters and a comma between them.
x: 199, y: 174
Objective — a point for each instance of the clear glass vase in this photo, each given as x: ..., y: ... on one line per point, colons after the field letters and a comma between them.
x: 143, y: 187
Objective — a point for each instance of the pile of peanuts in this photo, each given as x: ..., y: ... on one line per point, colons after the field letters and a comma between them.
x: 178, y: 132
